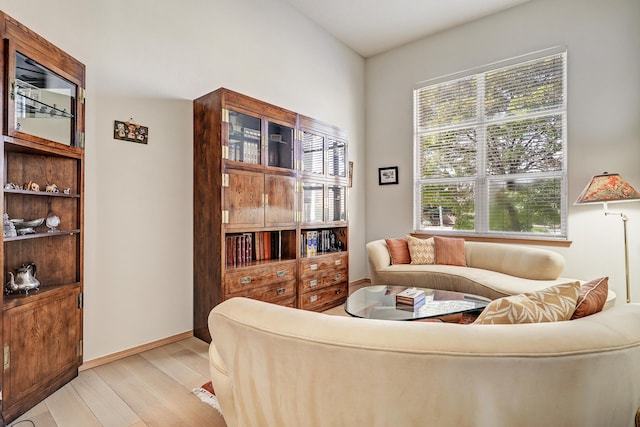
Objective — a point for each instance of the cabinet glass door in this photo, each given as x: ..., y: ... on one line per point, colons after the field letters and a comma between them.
x: 312, y: 153
x: 313, y: 202
x: 44, y: 102
x: 244, y: 138
x: 280, y: 148
x: 337, y: 161
x: 336, y: 203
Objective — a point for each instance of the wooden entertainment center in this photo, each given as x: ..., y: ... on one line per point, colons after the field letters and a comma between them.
x: 270, y: 206
x: 43, y: 202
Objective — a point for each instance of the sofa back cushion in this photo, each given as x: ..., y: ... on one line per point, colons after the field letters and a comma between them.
x: 399, y: 251
x: 422, y: 250
x: 515, y: 260
x: 450, y: 251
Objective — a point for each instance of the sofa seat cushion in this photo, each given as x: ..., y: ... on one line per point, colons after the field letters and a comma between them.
x: 477, y: 281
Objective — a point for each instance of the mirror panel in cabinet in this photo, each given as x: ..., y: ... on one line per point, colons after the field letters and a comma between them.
x: 312, y: 153
x: 337, y: 161
x: 313, y: 202
x: 337, y: 203
x: 44, y: 102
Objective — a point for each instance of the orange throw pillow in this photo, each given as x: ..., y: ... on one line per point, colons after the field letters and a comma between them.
x: 450, y: 251
x: 399, y: 251
x: 592, y: 297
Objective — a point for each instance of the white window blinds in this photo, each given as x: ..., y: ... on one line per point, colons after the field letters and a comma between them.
x: 490, y: 151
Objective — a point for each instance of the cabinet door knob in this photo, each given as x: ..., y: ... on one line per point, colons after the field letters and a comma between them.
x: 280, y: 291
x: 337, y: 276
x: 245, y: 280
x: 338, y: 291
x: 313, y: 267
x: 313, y: 283
x: 281, y: 273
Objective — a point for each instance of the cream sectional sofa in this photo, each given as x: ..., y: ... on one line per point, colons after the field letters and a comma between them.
x: 493, y: 270
x: 277, y: 366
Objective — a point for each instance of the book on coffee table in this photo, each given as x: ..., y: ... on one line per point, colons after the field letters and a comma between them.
x: 410, y: 297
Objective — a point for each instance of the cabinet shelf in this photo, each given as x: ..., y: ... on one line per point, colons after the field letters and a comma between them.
x: 41, y: 193
x: 45, y: 291
x: 43, y: 234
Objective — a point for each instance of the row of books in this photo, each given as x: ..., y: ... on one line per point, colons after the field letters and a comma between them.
x: 243, y: 248
x: 247, y: 151
x: 313, y: 242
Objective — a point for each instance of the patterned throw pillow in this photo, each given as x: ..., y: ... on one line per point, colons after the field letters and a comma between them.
x: 422, y: 250
x: 399, y: 251
x: 592, y: 297
x: 450, y: 251
x: 548, y: 305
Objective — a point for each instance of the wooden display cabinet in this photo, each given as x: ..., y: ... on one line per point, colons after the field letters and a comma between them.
x: 324, y: 260
x: 43, y: 140
x: 249, y: 187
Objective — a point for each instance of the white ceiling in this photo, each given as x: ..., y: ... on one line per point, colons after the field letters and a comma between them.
x: 373, y: 26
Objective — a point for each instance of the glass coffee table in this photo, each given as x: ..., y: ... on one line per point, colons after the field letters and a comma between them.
x: 379, y: 302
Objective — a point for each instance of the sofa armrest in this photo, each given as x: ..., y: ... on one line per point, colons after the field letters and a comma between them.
x: 379, y: 257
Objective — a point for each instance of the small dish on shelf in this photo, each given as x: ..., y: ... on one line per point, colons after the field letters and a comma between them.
x: 21, y: 223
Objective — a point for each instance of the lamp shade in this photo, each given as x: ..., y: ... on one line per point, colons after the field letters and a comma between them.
x: 607, y: 188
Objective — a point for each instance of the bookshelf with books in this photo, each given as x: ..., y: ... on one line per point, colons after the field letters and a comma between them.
x: 249, y: 195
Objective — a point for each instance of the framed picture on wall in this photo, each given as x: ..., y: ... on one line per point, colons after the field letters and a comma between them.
x: 388, y: 175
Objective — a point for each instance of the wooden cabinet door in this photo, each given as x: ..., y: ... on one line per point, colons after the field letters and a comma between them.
x: 280, y: 209
x: 42, y: 346
x: 243, y: 199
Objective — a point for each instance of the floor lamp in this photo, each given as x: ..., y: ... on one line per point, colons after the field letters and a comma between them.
x: 609, y: 188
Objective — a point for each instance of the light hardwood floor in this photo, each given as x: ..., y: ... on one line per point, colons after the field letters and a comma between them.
x: 152, y: 388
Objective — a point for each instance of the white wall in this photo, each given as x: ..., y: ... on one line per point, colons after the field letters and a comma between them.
x: 603, y: 43
x: 148, y: 60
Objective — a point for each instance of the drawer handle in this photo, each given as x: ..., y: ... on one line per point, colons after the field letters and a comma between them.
x: 245, y: 280
x: 280, y: 291
x: 313, y: 283
x: 338, y: 291
x: 338, y: 262
x: 281, y: 273
x: 313, y: 298
x: 313, y: 267
x: 337, y: 276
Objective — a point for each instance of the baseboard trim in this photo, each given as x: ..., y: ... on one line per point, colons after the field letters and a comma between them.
x: 150, y: 346
x: 133, y: 351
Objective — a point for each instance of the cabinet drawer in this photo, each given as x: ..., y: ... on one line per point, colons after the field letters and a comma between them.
x: 271, y: 293
x: 314, y: 265
x: 323, y: 279
x: 247, y: 278
x: 329, y: 296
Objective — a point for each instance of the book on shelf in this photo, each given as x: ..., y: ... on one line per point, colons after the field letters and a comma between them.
x: 411, y: 296
x: 239, y: 249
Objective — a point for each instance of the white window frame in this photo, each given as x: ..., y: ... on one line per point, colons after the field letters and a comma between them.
x: 481, y: 178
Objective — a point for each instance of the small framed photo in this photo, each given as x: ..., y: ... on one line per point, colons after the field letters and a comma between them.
x: 388, y: 175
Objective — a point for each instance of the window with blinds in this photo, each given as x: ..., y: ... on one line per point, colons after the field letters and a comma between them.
x: 490, y: 151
